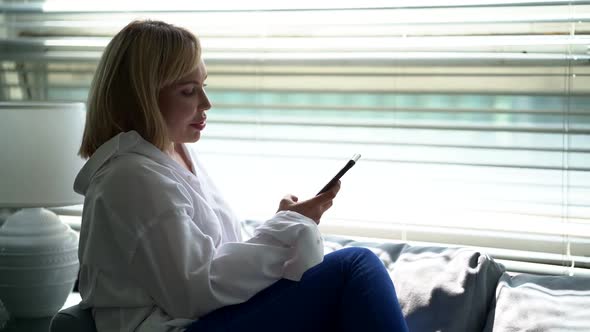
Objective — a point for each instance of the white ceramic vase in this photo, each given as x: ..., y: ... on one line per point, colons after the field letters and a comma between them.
x: 38, y: 263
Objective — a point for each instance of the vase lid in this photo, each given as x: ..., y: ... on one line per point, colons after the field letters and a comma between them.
x: 36, y: 230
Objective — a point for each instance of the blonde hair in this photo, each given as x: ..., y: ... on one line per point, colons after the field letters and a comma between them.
x: 138, y: 62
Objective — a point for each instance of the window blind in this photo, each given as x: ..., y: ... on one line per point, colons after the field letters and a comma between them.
x: 472, y: 117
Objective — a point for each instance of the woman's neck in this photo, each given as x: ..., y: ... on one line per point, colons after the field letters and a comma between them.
x: 177, y: 153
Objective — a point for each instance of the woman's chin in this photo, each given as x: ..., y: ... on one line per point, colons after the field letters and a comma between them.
x: 195, y: 137
x: 189, y: 137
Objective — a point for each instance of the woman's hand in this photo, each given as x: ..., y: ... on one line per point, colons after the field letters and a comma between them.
x: 312, y: 208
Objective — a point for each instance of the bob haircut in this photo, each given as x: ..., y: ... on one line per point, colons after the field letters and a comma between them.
x: 138, y: 62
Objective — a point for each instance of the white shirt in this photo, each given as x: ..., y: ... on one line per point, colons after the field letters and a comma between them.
x: 159, y: 247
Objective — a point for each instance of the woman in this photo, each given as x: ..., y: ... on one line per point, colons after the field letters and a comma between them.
x: 160, y: 250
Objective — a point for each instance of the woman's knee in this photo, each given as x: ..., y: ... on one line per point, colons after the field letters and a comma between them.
x: 361, y: 255
x: 360, y: 252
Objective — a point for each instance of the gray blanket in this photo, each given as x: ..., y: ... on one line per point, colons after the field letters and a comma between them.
x: 441, y: 289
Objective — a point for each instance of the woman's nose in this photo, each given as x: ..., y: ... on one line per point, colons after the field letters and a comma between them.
x: 205, y: 104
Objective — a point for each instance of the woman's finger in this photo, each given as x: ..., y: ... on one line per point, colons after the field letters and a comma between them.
x: 326, y: 196
x: 289, y: 199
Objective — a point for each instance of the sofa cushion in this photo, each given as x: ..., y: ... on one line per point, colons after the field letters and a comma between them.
x: 526, y: 302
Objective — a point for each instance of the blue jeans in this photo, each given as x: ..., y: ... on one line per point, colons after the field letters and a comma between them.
x: 349, y: 291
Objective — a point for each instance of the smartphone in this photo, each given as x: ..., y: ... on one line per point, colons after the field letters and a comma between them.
x: 338, y: 175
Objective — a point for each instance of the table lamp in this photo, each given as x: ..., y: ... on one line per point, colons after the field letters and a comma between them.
x: 38, y: 252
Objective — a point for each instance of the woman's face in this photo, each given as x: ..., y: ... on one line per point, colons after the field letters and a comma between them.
x: 183, y: 105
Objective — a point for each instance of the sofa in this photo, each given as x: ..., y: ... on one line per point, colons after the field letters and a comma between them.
x: 464, y: 290
x: 453, y: 289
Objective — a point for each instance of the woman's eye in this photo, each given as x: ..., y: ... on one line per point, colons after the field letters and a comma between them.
x: 189, y: 92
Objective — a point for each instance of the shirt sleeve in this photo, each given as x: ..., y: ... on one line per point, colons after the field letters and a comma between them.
x: 297, y: 232
x: 188, y: 277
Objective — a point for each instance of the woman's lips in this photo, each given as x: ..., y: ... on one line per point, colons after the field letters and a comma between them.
x: 199, y: 126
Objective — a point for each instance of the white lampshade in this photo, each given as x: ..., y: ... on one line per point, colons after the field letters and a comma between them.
x: 38, y: 148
